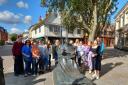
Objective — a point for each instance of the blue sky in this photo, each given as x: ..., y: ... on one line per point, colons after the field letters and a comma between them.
x: 18, y: 15
x: 120, y: 4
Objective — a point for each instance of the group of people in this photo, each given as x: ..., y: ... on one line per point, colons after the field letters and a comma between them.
x: 90, y: 55
x: 32, y: 56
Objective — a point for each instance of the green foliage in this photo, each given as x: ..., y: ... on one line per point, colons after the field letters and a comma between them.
x: 81, y: 13
x: 1, y: 42
x: 13, y: 37
x: 39, y: 24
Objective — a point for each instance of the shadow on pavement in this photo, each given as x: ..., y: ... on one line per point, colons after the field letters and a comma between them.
x: 37, y: 81
x: 10, y: 79
x: 6, y: 50
x: 109, y: 66
x: 111, y: 53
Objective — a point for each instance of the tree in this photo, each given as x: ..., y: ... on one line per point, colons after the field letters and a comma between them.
x: 90, y: 15
x: 13, y: 37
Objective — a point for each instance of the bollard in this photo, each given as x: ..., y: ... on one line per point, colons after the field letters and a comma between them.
x: 2, y: 80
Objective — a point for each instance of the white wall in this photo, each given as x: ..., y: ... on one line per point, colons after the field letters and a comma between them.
x: 39, y: 34
x: 45, y: 32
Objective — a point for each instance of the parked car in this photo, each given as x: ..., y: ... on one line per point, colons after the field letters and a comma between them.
x: 9, y: 43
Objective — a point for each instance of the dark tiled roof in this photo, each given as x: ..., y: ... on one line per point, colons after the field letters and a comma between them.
x: 2, y: 29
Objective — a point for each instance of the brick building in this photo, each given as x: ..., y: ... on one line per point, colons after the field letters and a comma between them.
x: 3, y: 34
x: 108, y: 35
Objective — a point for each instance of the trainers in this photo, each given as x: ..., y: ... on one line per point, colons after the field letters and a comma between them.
x: 34, y: 75
x: 25, y: 75
x: 97, y: 77
x: 90, y: 71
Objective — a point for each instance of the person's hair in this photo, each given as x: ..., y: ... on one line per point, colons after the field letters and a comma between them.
x: 77, y: 40
x: 27, y: 42
x: 34, y: 42
x: 48, y: 43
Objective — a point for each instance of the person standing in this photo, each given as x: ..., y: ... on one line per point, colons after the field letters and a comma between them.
x: 57, y: 51
x: 41, y: 62
x: 97, y: 62
x: 80, y: 51
x: 27, y: 55
x: 18, y: 58
x: 35, y: 58
x: 76, y: 46
x: 90, y: 56
x: 49, y: 47
x: 44, y: 56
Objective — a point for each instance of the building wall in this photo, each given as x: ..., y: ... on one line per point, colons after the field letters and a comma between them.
x: 3, y: 35
x: 45, y: 31
x: 121, y: 20
x: 39, y: 32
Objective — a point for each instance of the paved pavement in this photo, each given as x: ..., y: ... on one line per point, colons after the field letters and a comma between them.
x: 114, y: 70
x: 10, y: 79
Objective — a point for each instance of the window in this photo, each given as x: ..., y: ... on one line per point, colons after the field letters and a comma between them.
x: 35, y: 31
x: 119, y: 24
x: 39, y: 29
x: 51, y: 28
x: 56, y: 29
x: 78, y: 31
x: 70, y: 31
x: 123, y: 20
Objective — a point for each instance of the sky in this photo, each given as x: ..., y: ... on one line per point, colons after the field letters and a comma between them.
x: 120, y: 5
x: 18, y: 15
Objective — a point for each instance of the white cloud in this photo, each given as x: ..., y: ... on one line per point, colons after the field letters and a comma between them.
x: 28, y: 19
x: 25, y: 30
x: 2, y: 2
x: 22, y: 4
x: 16, y: 30
x: 9, y: 17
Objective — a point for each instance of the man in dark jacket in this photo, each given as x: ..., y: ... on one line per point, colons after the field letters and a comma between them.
x: 17, y: 56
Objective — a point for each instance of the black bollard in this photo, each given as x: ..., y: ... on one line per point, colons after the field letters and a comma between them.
x: 2, y: 80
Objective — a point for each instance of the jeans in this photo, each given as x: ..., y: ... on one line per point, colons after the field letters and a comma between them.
x: 49, y: 61
x: 46, y: 62
x: 34, y: 66
x: 27, y: 67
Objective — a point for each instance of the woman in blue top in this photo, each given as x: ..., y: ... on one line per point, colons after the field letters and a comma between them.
x: 27, y: 55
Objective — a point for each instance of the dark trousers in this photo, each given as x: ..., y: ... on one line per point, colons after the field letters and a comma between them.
x: 18, y: 65
x: 41, y: 63
x: 79, y: 61
x: 34, y: 66
x: 49, y: 61
x: 27, y: 67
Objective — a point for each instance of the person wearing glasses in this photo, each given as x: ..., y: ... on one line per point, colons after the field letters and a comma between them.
x: 27, y: 55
